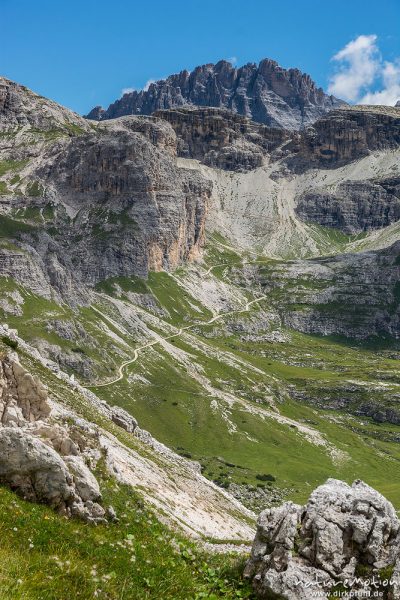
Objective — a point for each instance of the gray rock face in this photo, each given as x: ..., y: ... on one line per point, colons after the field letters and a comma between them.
x: 34, y: 469
x: 266, y: 93
x: 39, y: 460
x: 341, y: 532
x: 221, y: 139
x: 354, y: 206
x: 115, y: 201
x: 347, y: 134
x: 20, y: 107
x: 136, y: 211
x: 39, y: 474
x: 85, y: 482
x: 23, y: 399
x: 354, y: 295
x: 66, y: 359
x: 123, y: 419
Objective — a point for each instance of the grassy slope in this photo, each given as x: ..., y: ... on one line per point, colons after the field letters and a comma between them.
x: 178, y: 399
x: 180, y: 414
x: 44, y: 556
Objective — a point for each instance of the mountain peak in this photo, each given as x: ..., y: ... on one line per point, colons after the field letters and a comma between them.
x: 266, y: 93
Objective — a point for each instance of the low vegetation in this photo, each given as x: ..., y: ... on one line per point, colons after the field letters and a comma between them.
x: 45, y: 556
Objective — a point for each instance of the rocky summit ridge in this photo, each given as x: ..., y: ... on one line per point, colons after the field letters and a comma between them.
x: 266, y: 93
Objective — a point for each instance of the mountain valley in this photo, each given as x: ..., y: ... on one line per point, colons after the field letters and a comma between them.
x: 232, y: 284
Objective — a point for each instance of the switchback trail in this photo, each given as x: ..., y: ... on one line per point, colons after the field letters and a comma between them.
x: 136, y: 352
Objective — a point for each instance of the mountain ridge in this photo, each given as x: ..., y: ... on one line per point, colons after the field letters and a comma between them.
x: 266, y: 93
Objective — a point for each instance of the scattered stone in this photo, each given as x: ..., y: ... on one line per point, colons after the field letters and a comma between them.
x: 111, y: 514
x: 257, y: 498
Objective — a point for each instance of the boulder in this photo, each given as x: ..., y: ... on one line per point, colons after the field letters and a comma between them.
x: 33, y: 469
x: 39, y: 474
x: 123, y: 419
x: 344, y: 536
x: 38, y: 458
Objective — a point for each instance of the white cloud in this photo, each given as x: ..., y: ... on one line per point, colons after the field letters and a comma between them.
x: 127, y: 90
x: 390, y: 93
x: 233, y: 60
x: 358, y: 67
x: 363, y: 76
x: 148, y: 84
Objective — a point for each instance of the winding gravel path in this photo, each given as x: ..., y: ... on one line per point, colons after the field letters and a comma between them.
x: 136, y: 352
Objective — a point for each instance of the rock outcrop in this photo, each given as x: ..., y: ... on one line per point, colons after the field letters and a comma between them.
x: 354, y: 206
x: 266, y: 93
x: 222, y: 139
x: 136, y: 210
x: 39, y: 474
x: 355, y: 295
x: 347, y: 134
x: 113, y: 193
x: 21, y: 108
x: 123, y: 419
x: 23, y: 398
x: 342, y: 538
x: 38, y: 458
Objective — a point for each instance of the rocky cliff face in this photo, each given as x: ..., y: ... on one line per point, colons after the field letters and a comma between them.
x: 266, y: 93
x: 348, y: 134
x: 90, y: 203
x: 342, y: 538
x: 354, y: 206
x: 221, y: 139
x: 354, y: 295
x: 20, y: 107
x: 134, y: 209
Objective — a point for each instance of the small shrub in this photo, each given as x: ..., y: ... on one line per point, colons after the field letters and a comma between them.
x: 266, y: 477
x: 9, y: 342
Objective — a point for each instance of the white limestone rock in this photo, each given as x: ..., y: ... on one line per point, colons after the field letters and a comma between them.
x: 341, y: 531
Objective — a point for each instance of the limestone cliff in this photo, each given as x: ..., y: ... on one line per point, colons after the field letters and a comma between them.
x: 222, y: 139
x: 88, y: 203
x: 348, y: 134
x: 354, y: 295
x: 354, y: 206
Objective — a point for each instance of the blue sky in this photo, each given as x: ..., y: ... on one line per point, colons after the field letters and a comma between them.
x: 83, y: 53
